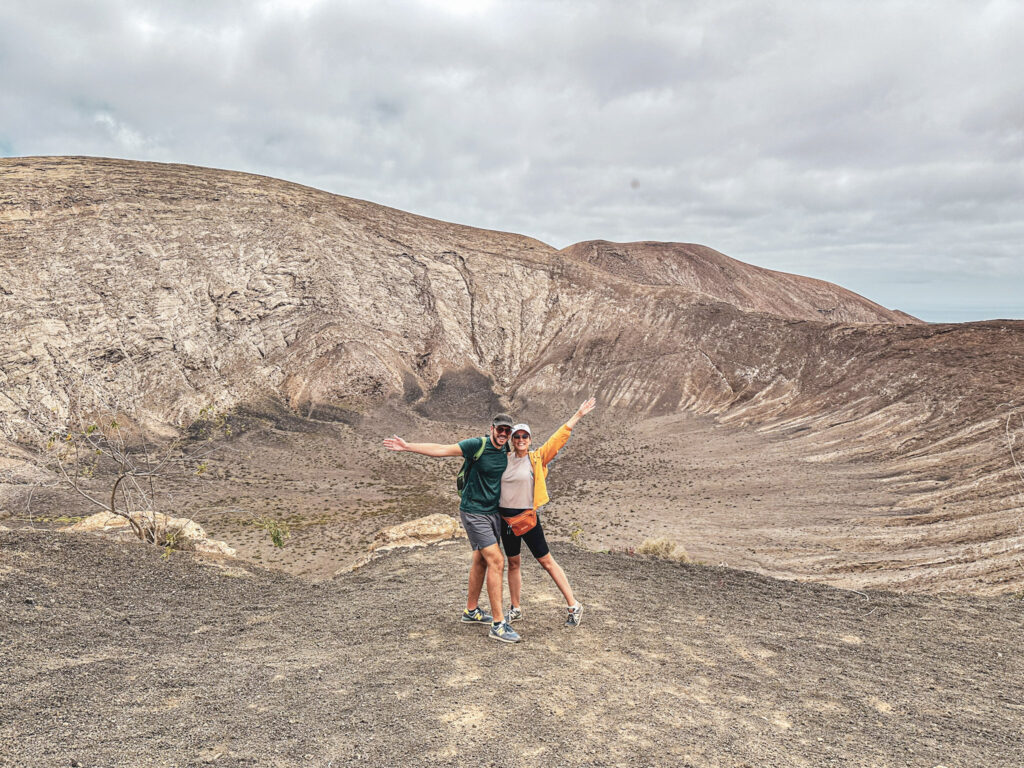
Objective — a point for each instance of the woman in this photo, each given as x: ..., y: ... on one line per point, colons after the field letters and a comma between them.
x: 523, y: 490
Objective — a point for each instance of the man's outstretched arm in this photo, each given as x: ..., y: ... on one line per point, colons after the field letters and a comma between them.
x: 395, y: 443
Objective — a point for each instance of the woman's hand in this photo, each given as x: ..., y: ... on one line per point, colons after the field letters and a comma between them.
x: 585, y: 408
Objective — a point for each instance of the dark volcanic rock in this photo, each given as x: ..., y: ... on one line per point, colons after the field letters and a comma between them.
x: 130, y: 659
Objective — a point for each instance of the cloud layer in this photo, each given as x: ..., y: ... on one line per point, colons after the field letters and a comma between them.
x: 879, y: 145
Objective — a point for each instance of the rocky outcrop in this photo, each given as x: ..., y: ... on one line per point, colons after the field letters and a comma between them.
x: 430, y: 529
x: 176, y: 532
x: 417, y: 533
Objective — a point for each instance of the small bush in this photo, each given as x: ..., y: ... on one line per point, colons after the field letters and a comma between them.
x: 664, y: 549
x: 277, y: 530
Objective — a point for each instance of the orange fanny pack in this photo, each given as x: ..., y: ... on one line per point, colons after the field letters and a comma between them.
x: 522, y: 522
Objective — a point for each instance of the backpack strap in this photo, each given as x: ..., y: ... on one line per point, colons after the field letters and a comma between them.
x: 480, y: 450
x: 463, y: 478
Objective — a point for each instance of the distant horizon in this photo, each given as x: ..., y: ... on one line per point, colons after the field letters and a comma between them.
x: 965, y: 314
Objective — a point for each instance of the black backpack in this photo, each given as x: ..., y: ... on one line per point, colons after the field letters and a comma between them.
x: 463, y: 476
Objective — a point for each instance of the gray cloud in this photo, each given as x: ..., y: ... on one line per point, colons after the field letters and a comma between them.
x: 880, y: 145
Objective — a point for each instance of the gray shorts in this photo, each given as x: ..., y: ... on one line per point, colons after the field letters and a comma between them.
x: 482, y: 530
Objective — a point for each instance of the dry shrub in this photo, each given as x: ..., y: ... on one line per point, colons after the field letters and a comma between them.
x: 664, y: 549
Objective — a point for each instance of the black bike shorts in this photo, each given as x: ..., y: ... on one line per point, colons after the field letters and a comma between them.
x: 513, y: 544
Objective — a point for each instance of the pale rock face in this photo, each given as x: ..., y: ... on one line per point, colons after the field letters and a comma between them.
x: 190, y: 535
x: 216, y: 547
x: 419, y: 532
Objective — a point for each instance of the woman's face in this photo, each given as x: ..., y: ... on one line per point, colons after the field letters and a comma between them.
x: 520, y: 441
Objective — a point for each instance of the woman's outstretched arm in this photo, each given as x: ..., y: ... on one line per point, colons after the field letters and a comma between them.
x: 556, y: 441
x: 582, y: 411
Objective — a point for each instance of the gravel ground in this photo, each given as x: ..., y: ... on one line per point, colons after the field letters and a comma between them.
x: 115, y: 656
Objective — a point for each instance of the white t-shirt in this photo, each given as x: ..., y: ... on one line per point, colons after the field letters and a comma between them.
x: 517, y: 483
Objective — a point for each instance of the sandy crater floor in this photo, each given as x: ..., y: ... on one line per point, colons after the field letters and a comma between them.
x: 726, y: 495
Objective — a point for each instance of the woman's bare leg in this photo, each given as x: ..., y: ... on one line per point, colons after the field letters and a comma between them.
x: 558, y: 575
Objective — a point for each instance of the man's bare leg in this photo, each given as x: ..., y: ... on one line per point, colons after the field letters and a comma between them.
x: 477, y: 569
x: 515, y: 579
x: 495, y: 564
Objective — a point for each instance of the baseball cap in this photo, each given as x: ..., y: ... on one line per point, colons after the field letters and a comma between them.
x: 502, y: 420
x: 522, y: 428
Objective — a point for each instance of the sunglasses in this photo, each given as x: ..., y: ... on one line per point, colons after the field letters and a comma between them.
x: 503, y: 430
x: 520, y: 436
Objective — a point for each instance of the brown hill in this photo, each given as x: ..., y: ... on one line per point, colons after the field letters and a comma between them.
x: 231, y: 285
x: 186, y: 286
x: 717, y: 277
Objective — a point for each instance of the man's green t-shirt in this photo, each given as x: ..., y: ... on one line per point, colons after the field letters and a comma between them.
x: 483, y: 483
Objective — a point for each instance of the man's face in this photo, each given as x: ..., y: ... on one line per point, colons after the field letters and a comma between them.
x: 499, y: 435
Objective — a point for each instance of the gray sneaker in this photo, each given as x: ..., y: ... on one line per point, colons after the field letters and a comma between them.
x: 514, y: 614
x: 476, y: 616
x: 575, y: 616
x: 504, y: 632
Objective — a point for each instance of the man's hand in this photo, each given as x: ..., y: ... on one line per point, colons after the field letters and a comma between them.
x: 395, y: 443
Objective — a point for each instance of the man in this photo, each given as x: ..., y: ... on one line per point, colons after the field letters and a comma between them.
x: 480, y: 518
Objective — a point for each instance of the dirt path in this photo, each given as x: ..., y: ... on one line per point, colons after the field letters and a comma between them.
x: 114, y: 656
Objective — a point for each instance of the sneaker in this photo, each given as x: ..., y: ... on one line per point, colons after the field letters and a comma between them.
x: 514, y: 614
x: 575, y: 616
x: 476, y: 616
x: 504, y: 632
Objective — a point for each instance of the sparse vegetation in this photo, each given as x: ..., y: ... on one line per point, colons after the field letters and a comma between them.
x: 278, y: 530
x: 577, y: 534
x: 106, y: 449
x: 664, y: 549
x: 117, y: 449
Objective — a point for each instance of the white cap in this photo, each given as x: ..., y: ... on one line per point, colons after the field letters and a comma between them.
x: 522, y: 428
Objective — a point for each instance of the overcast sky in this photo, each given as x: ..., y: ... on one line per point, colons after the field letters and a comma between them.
x: 879, y: 145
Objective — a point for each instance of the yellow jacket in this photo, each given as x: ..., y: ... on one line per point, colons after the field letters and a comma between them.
x: 539, y: 460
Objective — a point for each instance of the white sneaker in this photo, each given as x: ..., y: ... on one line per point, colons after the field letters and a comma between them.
x: 514, y: 614
x: 575, y: 616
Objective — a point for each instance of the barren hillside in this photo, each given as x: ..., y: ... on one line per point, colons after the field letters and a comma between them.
x: 718, y: 277
x: 183, y: 286
x: 231, y: 284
